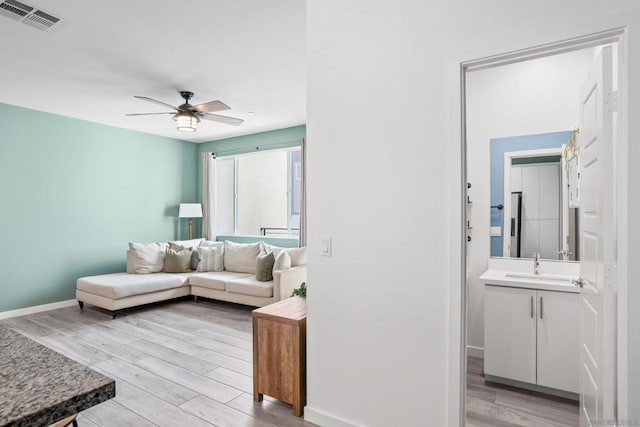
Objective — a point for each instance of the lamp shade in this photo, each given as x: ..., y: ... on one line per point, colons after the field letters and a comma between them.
x: 190, y: 210
x: 186, y: 122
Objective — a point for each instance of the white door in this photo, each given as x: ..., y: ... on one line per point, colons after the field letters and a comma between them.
x: 597, y: 319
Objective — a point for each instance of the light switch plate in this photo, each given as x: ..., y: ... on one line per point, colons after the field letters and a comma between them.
x: 496, y: 231
x: 325, y: 249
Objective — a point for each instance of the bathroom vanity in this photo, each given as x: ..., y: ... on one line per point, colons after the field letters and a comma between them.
x: 531, y: 335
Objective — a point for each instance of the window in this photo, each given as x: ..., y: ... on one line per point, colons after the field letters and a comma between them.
x: 259, y: 193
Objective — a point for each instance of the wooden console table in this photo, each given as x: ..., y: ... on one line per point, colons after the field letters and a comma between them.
x: 280, y: 352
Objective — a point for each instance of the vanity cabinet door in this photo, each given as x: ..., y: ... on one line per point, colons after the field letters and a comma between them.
x: 510, y: 333
x: 558, y: 340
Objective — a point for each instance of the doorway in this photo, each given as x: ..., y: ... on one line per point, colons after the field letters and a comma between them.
x: 516, y: 95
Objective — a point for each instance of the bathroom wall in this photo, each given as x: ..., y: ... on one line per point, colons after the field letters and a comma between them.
x: 526, y: 98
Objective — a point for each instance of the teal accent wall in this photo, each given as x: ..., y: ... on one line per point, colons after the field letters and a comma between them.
x: 280, y: 138
x: 74, y: 193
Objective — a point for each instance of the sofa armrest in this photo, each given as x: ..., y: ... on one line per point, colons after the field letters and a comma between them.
x: 285, y: 281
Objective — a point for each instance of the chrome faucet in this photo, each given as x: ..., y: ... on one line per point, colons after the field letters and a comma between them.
x: 536, y: 263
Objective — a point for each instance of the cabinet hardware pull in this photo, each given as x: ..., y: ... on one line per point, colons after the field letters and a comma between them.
x: 541, y: 308
x: 532, y: 306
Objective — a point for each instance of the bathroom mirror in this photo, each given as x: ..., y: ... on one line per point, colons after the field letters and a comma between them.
x: 530, y: 207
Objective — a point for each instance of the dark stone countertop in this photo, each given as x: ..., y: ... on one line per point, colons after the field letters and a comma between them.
x: 39, y: 387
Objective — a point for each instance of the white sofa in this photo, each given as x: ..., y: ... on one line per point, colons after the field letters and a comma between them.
x: 118, y: 291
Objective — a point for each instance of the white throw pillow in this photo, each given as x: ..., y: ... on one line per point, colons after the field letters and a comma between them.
x: 193, y: 243
x: 241, y: 257
x: 283, y: 261
x: 211, y: 258
x: 144, y: 258
x: 298, y: 255
x: 209, y: 243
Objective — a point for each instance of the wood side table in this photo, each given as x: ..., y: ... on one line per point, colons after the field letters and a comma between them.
x: 280, y: 352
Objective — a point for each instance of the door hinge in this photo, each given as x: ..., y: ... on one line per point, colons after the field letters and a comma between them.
x: 612, y: 102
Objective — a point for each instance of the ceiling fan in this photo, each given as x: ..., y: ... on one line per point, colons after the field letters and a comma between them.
x: 187, y: 115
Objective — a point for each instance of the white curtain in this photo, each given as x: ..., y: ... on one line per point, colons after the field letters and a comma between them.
x: 303, y: 195
x: 208, y: 195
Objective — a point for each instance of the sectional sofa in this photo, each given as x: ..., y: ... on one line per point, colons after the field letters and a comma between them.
x: 254, y: 274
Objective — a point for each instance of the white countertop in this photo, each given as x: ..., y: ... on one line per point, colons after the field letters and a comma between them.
x: 515, y: 279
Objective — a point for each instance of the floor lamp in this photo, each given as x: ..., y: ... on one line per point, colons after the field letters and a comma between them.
x: 190, y: 210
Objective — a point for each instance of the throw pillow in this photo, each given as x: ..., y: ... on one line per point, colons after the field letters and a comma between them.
x: 241, y: 257
x: 211, y: 258
x: 264, y: 267
x: 211, y: 243
x: 177, y: 261
x: 193, y: 243
x: 144, y: 258
x: 282, y: 261
x: 298, y: 255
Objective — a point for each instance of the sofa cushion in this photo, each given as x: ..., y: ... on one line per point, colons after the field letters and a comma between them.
x: 144, y: 258
x: 215, y: 280
x: 241, y: 257
x: 210, y: 258
x: 193, y: 243
x: 264, y: 267
x: 177, y: 261
x: 209, y: 243
x: 121, y: 285
x: 282, y: 261
x: 298, y: 255
x: 250, y: 286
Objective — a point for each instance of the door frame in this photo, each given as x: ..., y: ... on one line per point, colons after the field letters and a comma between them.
x: 459, y: 317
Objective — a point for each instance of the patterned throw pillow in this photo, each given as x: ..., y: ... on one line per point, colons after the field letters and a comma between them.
x: 211, y: 258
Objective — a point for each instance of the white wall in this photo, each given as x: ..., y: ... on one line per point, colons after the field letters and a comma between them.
x: 383, y: 119
x: 525, y: 98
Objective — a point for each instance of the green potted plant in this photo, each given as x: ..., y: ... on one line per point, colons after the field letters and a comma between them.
x: 301, y: 291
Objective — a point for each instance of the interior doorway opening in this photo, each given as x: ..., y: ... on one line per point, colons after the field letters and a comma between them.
x: 522, y: 94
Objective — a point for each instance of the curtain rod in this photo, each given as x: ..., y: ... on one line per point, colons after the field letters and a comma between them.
x: 247, y: 150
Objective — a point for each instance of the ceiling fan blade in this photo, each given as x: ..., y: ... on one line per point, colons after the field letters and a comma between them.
x: 147, y: 114
x: 222, y: 119
x: 209, y: 107
x: 144, y: 98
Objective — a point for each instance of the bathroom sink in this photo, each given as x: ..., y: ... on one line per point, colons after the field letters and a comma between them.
x: 530, y: 277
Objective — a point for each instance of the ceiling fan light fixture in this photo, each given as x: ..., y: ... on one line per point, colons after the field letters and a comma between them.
x: 186, y: 122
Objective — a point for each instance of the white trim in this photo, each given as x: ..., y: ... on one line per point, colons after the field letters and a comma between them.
x: 37, y: 309
x: 474, y: 351
x: 324, y: 419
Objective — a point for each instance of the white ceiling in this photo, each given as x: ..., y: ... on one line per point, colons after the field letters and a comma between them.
x: 250, y: 54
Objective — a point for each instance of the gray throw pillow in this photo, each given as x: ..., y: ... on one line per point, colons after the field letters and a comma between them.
x: 177, y: 261
x: 264, y: 267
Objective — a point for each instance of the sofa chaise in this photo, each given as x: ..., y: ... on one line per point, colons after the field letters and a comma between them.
x: 252, y: 274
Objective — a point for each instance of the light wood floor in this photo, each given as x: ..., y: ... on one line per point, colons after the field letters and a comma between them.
x: 495, y: 405
x: 186, y: 364
x: 175, y: 364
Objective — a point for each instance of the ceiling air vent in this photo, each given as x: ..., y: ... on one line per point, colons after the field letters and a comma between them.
x: 14, y: 9
x: 29, y: 15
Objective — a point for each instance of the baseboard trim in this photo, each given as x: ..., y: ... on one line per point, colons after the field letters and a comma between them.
x: 475, y: 351
x: 325, y: 419
x: 37, y: 309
